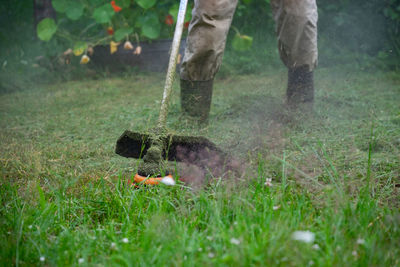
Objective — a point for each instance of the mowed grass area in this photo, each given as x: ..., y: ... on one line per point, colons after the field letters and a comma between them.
x: 336, y: 174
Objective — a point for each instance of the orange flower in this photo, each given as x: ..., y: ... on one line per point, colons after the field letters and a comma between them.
x: 138, y: 50
x: 169, y: 20
x: 110, y: 30
x: 116, y: 8
x: 68, y: 52
x: 85, y: 59
x: 128, y: 45
x: 113, y: 47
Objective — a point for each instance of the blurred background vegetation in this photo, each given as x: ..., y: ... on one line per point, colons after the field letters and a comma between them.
x: 364, y: 34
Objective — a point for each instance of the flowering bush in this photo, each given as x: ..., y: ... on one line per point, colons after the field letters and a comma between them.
x: 84, y: 24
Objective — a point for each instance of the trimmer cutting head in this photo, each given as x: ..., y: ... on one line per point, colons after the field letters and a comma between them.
x: 195, y: 150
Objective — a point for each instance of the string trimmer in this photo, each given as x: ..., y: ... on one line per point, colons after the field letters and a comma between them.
x: 159, y: 145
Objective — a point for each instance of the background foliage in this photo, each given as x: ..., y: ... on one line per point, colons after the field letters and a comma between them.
x: 95, y: 20
x: 362, y: 33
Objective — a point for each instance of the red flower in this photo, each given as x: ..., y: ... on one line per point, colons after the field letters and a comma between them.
x: 186, y: 24
x: 116, y: 8
x: 110, y: 30
x: 169, y: 20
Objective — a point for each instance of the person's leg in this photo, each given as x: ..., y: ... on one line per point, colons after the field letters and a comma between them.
x: 205, y: 44
x: 296, y: 28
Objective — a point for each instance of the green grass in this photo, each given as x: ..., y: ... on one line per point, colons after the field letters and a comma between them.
x: 336, y: 174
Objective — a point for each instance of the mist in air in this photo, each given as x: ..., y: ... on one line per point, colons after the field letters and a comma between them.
x: 278, y: 145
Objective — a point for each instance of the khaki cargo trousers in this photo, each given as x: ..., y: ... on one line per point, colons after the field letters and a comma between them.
x: 296, y: 29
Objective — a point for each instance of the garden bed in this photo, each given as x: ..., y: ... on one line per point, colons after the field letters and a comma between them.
x: 153, y: 57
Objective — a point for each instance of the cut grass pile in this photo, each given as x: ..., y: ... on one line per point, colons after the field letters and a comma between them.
x: 64, y: 199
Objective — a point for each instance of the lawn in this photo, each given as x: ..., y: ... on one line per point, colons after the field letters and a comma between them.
x: 335, y: 173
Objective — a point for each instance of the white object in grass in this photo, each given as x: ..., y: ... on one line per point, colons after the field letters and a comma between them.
x: 268, y: 182
x: 360, y: 241
x: 235, y: 241
x: 125, y: 240
x: 168, y: 180
x: 42, y: 259
x: 304, y: 236
x: 276, y: 207
x: 81, y: 260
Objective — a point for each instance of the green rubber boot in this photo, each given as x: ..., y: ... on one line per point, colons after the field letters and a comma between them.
x: 300, y: 90
x: 196, y: 100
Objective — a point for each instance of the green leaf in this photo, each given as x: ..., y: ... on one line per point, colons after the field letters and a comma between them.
x: 146, y: 3
x: 151, y: 26
x: 103, y: 14
x: 46, y: 29
x: 60, y: 5
x: 173, y: 11
x: 188, y: 15
x: 140, y: 21
x: 123, y: 3
x: 121, y: 33
x: 74, y: 10
x: 94, y: 3
x: 242, y: 42
x: 79, y: 48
